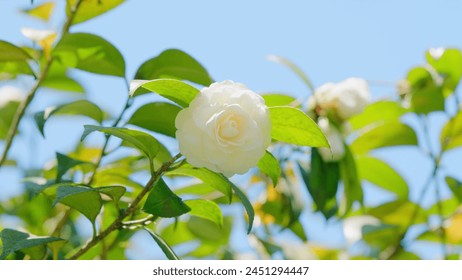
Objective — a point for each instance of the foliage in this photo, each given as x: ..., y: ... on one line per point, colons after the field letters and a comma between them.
x: 139, y: 186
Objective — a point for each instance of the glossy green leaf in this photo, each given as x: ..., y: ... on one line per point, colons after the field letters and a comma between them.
x: 451, y: 134
x: 292, y: 126
x: 89, y: 9
x: 147, y: 144
x: 392, y: 133
x: 455, y: 186
x: 382, y: 175
x: 90, y: 53
x: 449, y: 65
x: 162, y: 202
x: 214, y: 180
x: 7, y: 113
x: 177, y: 91
x: 352, y: 189
x: 10, y: 52
x: 277, y: 99
x: 322, y: 183
x: 269, y: 165
x: 66, y: 163
x: 80, y: 107
x: 168, y: 251
x: 83, y: 199
x: 42, y: 11
x: 158, y: 117
x: 380, y: 111
x: 14, y: 240
x: 174, y: 64
x: 205, y: 209
x: 247, y: 206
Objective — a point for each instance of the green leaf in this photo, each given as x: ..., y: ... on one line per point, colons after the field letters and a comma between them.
x: 163, y: 202
x: 426, y: 94
x: 7, y: 113
x: 10, y: 52
x: 427, y: 100
x: 322, y: 183
x: 89, y: 9
x: 392, y: 133
x: 351, y: 185
x: 42, y: 11
x: 11, y: 69
x: 208, y: 232
x: 63, y: 83
x: 158, y: 117
x: 177, y: 233
x: 142, y: 141
x: 205, y: 209
x: 398, y: 212
x: 269, y: 165
x: 292, y: 126
x: 449, y: 65
x: 66, y: 163
x: 90, y: 53
x: 455, y: 186
x: 83, y: 199
x: 451, y: 134
x: 382, y: 175
x: 168, y: 251
x: 174, y: 64
x: 14, y: 240
x: 174, y: 90
x: 247, y: 206
x: 277, y: 99
x: 80, y: 107
x: 114, y: 192
x: 214, y: 180
x: 380, y: 111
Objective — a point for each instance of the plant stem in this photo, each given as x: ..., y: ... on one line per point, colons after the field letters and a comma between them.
x: 128, y: 103
x: 25, y: 104
x: 117, y: 224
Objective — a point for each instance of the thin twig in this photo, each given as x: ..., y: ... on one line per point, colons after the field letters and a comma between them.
x: 25, y: 104
x: 117, y: 224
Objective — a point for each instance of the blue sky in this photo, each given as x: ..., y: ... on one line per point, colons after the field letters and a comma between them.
x: 330, y: 40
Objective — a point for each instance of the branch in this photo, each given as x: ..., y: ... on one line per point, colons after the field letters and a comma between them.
x: 25, y: 104
x: 117, y: 224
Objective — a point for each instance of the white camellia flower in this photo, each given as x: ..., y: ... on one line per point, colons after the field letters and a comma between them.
x: 346, y: 98
x: 226, y: 128
x: 10, y: 94
x: 335, y: 141
x: 352, y: 227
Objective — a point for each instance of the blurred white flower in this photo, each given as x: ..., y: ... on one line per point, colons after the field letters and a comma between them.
x: 226, y: 128
x: 436, y: 53
x: 37, y: 35
x: 297, y: 251
x: 345, y: 99
x: 352, y: 227
x: 335, y: 141
x: 10, y: 94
